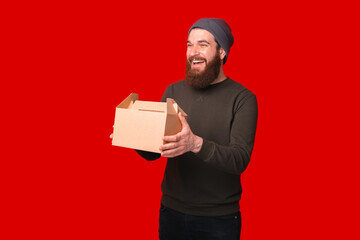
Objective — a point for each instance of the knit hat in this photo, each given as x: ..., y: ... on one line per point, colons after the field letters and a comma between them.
x: 219, y: 29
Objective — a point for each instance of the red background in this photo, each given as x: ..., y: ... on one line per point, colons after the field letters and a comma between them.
x: 66, y: 66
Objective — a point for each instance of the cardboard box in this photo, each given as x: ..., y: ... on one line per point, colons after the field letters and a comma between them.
x: 142, y: 124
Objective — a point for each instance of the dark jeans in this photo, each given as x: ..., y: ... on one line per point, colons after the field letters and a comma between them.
x: 174, y: 225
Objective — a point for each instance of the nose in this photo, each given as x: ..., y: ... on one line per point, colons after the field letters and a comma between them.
x: 193, y: 50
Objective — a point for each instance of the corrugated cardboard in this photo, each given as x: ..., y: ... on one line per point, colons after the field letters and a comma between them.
x: 142, y: 124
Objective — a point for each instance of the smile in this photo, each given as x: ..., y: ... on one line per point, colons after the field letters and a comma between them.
x: 197, y: 61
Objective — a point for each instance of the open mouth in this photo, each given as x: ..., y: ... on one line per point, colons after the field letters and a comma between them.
x: 197, y: 62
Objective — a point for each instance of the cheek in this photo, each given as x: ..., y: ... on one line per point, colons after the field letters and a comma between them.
x: 209, y: 57
x: 188, y: 54
x: 208, y: 54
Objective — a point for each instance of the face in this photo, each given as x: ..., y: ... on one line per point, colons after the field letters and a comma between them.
x: 203, y: 59
x: 201, y: 48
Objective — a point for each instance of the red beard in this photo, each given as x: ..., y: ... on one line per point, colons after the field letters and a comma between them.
x: 197, y: 79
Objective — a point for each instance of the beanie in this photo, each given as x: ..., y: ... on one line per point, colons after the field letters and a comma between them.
x: 219, y: 29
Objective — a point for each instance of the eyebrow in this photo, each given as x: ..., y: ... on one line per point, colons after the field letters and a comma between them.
x: 200, y: 41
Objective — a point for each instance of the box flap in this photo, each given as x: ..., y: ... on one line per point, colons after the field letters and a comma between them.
x: 128, y: 102
x: 173, y: 123
x: 173, y: 107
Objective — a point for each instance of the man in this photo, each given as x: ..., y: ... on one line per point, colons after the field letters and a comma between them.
x: 201, y: 186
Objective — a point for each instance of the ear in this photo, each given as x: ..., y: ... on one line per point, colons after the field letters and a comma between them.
x: 222, y: 53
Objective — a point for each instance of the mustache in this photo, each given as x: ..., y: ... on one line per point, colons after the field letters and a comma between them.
x: 192, y: 58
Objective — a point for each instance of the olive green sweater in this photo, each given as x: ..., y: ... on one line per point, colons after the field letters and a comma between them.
x: 208, y: 183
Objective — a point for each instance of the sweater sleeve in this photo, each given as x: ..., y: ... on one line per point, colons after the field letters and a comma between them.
x: 149, y: 156
x: 235, y: 157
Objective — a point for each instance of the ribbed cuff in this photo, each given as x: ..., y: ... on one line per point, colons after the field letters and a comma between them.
x: 206, y: 151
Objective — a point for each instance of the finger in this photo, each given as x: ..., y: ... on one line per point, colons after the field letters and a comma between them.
x: 171, y: 153
x: 173, y: 138
x: 167, y: 146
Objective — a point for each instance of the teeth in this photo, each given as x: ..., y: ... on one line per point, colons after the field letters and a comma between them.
x: 198, y: 61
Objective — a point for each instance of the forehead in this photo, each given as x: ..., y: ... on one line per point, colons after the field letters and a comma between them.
x: 199, y: 34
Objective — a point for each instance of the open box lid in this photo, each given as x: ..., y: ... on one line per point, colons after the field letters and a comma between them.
x: 132, y: 102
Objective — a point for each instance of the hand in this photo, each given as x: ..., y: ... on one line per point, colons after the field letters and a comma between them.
x: 182, y: 142
x: 111, y: 135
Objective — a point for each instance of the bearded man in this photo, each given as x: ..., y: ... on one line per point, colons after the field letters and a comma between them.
x: 201, y: 186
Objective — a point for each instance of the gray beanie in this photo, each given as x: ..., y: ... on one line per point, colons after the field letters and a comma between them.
x: 219, y: 29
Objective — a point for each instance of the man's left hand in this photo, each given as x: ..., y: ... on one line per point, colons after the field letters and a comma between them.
x: 182, y: 142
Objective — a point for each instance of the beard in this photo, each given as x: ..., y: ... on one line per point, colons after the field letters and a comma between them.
x: 197, y: 79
